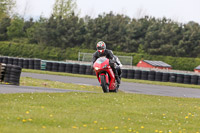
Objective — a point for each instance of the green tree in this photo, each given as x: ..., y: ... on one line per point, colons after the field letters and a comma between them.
x: 6, y: 7
x: 4, y: 24
x: 64, y: 8
x: 15, y: 30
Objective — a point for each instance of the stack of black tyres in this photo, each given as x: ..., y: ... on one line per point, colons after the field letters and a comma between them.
x: 151, y: 75
x: 5, y: 60
x: 187, y: 79
x: 1, y: 58
x: 68, y: 68
x: 62, y: 67
x: 55, y: 66
x: 124, y: 73
x: 26, y: 64
x: 49, y: 66
x: 179, y: 78
x: 137, y: 74
x: 75, y: 68
x: 130, y: 74
x: 37, y: 64
x: 20, y: 63
x: 31, y: 64
x: 158, y: 76
x: 194, y: 79
x: 10, y: 61
x: 89, y: 70
x: 15, y: 61
x: 144, y: 75
x: 198, y: 82
x: 12, y: 74
x: 172, y: 77
x: 82, y: 69
x: 2, y: 71
x: 165, y: 77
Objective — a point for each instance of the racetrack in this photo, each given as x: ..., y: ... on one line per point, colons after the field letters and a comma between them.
x: 127, y: 87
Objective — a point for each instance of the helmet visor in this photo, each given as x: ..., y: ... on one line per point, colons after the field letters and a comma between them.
x: 100, y: 48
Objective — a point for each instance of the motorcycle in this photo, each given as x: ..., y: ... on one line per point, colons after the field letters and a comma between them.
x: 105, y: 75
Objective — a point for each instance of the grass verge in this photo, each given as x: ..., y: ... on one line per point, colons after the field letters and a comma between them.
x: 98, y: 112
x: 28, y: 81
x: 123, y: 79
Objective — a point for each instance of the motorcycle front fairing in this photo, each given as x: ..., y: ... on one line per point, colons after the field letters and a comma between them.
x: 102, y: 67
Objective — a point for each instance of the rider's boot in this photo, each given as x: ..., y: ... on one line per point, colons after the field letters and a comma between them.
x: 117, y: 77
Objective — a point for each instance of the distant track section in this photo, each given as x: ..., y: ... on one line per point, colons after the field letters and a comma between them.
x: 125, y: 86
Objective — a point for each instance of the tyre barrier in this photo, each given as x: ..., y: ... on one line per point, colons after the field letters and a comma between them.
x: 82, y: 69
x: 137, y: 74
x: 144, y: 75
x: 10, y: 74
x: 31, y: 64
x: 151, y: 75
x: 37, y: 64
x: 187, y: 79
x: 55, y: 66
x: 68, y: 68
x: 62, y: 67
x: 26, y: 63
x: 86, y: 69
x: 194, y: 79
x: 2, y: 71
x: 75, y: 68
x: 49, y: 66
x: 89, y: 70
x: 10, y: 61
x: 22, y: 62
x: 124, y: 73
x: 179, y: 78
x: 165, y: 77
x: 172, y: 77
x: 130, y: 74
x: 158, y: 76
x: 15, y: 61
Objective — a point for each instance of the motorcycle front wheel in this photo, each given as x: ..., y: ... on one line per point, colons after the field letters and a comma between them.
x: 104, y: 85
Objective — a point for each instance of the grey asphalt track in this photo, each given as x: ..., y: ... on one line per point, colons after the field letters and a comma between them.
x: 28, y: 89
x: 125, y: 86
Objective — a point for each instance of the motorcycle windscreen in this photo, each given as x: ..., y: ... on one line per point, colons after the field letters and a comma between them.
x: 101, y: 60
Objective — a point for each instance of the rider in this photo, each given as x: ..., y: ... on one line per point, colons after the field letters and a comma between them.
x: 114, y: 61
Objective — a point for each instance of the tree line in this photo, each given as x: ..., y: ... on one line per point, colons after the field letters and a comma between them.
x: 149, y: 35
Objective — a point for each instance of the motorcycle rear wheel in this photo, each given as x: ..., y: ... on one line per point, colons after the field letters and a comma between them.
x: 104, y: 85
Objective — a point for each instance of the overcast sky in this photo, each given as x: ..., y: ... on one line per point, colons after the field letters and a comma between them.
x: 178, y: 10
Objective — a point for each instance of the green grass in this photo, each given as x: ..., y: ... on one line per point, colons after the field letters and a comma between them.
x: 76, y: 112
x: 28, y: 81
x: 123, y: 79
x: 97, y: 112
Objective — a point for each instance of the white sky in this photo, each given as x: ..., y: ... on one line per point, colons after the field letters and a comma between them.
x: 178, y: 10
